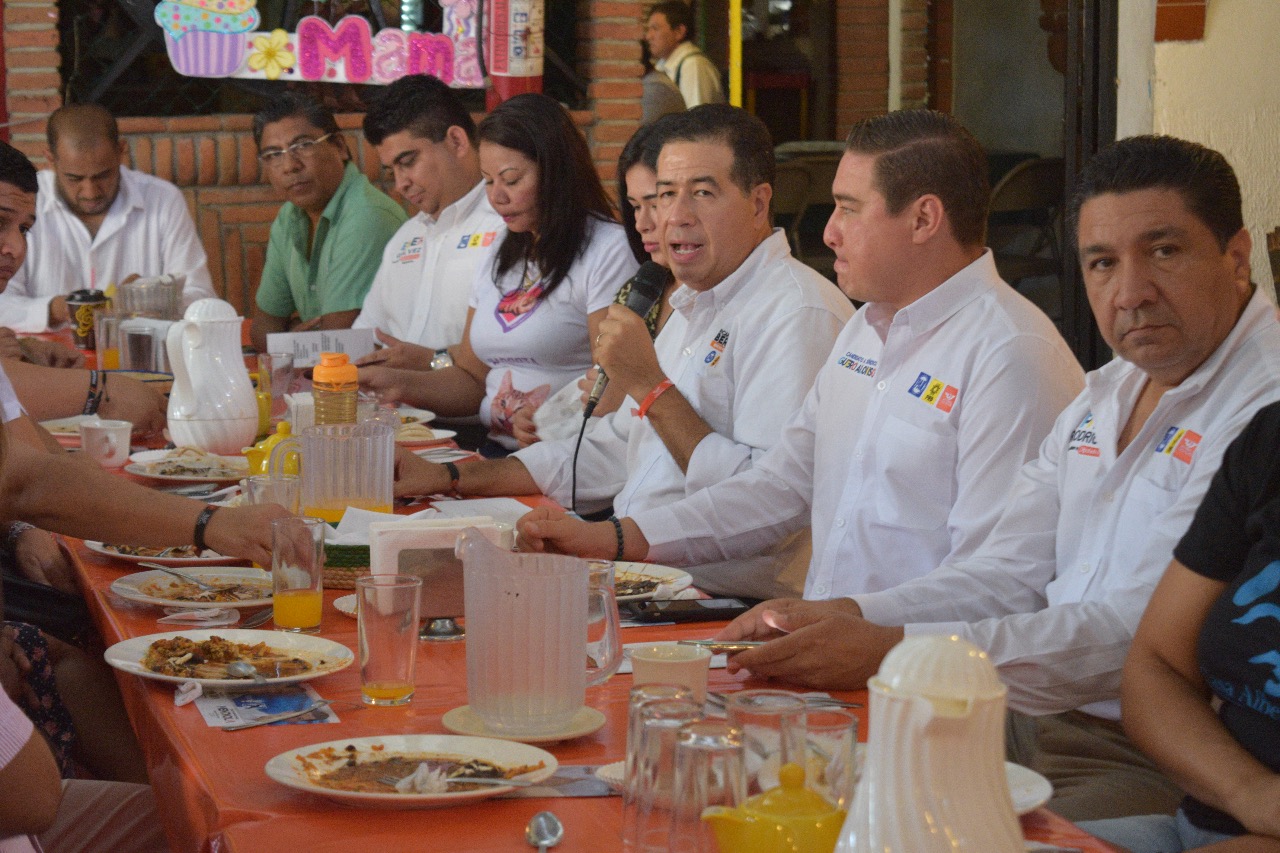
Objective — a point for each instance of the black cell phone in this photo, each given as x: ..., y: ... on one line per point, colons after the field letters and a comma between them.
x: 688, y: 610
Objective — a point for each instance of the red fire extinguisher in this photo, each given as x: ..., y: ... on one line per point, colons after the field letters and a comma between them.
x: 512, y: 35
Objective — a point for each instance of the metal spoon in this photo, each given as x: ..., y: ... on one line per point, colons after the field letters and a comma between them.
x: 244, y: 669
x: 544, y: 831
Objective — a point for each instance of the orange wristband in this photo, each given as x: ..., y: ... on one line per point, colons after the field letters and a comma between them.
x: 653, y: 395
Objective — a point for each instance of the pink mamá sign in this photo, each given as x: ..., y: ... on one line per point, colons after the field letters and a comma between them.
x: 219, y: 38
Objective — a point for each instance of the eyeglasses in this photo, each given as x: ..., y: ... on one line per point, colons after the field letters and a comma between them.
x: 302, y: 149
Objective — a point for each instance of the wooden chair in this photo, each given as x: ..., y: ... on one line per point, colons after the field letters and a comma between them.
x: 1022, y: 229
x: 790, y: 199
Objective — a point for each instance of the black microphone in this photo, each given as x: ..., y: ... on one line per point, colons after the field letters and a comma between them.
x: 646, y: 289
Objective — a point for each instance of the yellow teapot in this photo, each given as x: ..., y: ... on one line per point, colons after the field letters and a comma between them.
x: 786, y: 819
x: 260, y: 454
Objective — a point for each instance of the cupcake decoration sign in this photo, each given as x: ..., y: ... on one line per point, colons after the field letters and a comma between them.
x: 220, y: 38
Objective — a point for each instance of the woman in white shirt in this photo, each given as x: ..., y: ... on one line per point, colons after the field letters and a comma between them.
x: 550, y: 276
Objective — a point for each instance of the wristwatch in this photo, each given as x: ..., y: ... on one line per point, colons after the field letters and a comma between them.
x: 441, y: 360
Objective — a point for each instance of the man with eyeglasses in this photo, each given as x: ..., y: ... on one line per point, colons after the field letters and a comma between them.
x: 98, y: 223
x: 327, y: 241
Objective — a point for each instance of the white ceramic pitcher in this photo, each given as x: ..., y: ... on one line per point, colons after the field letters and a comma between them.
x: 527, y: 620
x: 212, y: 405
x: 934, y: 779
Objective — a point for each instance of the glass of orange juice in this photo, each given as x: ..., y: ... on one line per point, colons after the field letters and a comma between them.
x: 297, y: 573
x: 387, y: 608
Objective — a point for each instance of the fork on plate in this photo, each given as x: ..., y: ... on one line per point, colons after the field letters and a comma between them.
x: 722, y: 699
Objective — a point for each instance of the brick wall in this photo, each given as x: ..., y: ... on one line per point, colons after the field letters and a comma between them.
x: 213, y: 158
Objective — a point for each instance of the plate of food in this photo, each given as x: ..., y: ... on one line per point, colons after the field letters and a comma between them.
x: 202, y: 656
x: 421, y: 435
x: 188, y: 465
x: 640, y: 581
x: 351, y: 771
x: 235, y: 588
x: 182, y: 555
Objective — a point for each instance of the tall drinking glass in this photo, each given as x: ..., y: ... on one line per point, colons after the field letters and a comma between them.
x: 709, y: 772
x: 297, y: 573
x: 647, y: 796
x: 773, y: 727
x: 387, y: 613
x: 641, y: 695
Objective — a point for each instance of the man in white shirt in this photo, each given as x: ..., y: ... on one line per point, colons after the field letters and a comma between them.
x: 669, y: 34
x: 1055, y: 593
x: 943, y: 384
x: 97, y: 224
x: 418, y: 301
x: 749, y: 330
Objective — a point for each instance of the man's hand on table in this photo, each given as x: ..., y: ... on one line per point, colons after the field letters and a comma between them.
x: 820, y: 644
x: 416, y: 476
x: 555, y: 531
x: 244, y: 531
x: 38, y: 351
x: 39, y: 558
x: 388, y: 383
x: 398, y: 354
x: 136, y: 402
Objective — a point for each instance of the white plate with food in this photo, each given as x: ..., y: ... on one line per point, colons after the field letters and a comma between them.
x: 640, y: 581
x: 237, y: 588
x: 421, y: 435
x: 67, y: 427
x: 188, y: 465
x: 281, y: 657
x: 183, y: 555
x: 349, y: 770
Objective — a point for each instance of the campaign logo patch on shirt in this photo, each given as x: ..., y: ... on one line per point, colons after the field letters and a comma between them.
x: 476, y: 240
x: 858, y: 364
x: 1084, y: 438
x: 718, y: 343
x: 410, y: 251
x: 1179, y: 443
x: 935, y: 392
x: 517, y: 306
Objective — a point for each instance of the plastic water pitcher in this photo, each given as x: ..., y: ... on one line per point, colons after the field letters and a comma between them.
x: 212, y: 405
x: 341, y: 465
x: 934, y: 778
x: 527, y: 631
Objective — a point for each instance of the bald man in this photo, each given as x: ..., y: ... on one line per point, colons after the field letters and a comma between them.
x: 98, y: 223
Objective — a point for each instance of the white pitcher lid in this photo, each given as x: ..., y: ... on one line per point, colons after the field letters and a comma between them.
x: 939, y: 668
x: 211, y: 309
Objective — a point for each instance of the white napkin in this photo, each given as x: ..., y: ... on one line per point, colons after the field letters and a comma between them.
x: 209, y: 617
x: 354, y: 527
x: 424, y: 780
x: 664, y: 592
x: 187, y: 692
x: 506, y: 510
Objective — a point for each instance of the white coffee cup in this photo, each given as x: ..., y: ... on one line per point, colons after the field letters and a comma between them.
x: 670, y: 663
x: 106, y: 442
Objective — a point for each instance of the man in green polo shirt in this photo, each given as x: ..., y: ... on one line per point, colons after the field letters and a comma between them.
x: 327, y: 240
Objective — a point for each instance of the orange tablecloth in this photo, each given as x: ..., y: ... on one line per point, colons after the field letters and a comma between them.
x: 214, y: 795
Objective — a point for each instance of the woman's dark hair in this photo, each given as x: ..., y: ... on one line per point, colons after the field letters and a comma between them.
x: 570, y: 195
x: 642, y: 149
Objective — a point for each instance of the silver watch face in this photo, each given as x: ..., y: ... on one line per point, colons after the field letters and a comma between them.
x: 441, y: 360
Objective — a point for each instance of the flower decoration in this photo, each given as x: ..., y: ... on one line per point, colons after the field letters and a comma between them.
x: 271, y: 54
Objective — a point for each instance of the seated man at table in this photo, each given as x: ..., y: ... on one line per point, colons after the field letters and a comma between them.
x: 74, y: 494
x: 976, y: 375
x: 749, y: 329
x: 98, y: 223
x: 328, y: 238
x: 418, y: 301
x: 1056, y: 591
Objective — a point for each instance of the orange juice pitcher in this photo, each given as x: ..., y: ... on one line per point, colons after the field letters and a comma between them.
x: 341, y: 465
